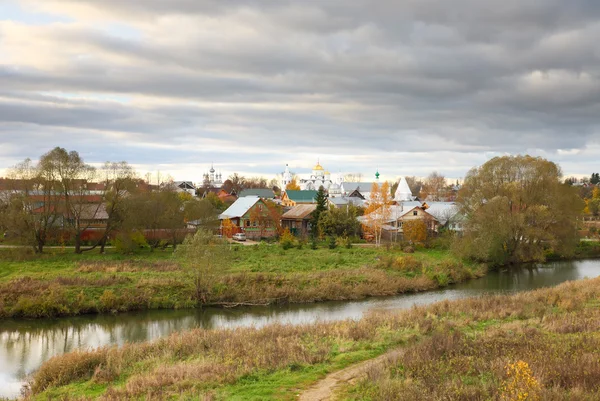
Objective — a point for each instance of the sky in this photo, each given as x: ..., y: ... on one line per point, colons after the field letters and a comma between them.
x: 405, y: 87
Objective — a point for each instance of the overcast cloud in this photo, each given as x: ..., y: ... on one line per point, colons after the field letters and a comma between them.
x: 407, y: 87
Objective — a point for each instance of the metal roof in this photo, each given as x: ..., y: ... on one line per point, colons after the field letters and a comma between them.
x: 260, y: 192
x: 301, y: 196
x: 299, y: 212
x: 239, y: 208
x: 363, y: 187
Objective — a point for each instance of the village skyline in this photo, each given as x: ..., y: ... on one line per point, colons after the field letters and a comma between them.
x: 302, y: 168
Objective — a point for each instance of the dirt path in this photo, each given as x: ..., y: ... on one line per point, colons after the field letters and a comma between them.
x: 325, y: 389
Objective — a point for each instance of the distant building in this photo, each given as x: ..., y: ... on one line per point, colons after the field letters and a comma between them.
x: 212, y: 179
x: 260, y: 192
x: 185, y: 186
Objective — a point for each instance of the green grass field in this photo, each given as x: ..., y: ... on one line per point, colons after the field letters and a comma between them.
x: 61, y: 283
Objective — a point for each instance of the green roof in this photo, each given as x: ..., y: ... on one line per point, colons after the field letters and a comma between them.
x: 301, y: 196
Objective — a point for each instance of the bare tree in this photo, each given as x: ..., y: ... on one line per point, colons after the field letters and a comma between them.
x: 353, y: 177
x: 434, y: 188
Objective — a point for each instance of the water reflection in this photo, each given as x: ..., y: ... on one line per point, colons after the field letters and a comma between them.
x: 25, y: 345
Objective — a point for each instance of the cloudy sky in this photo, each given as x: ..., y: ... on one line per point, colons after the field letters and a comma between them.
x: 405, y: 86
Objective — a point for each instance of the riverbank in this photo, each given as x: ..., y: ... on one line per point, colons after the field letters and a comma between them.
x: 64, y: 284
x: 451, y: 350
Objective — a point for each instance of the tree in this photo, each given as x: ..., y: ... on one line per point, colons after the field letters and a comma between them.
x: 353, y: 177
x: 119, y: 181
x: 227, y: 228
x: 237, y: 183
x: 516, y: 209
x: 293, y: 185
x: 215, y: 201
x: 434, y: 187
x: 204, y: 256
x: 264, y: 218
x: 321, y: 201
x: 202, y: 212
x: 31, y: 207
x: 227, y: 186
x: 72, y: 175
x: 256, y: 183
x: 595, y: 179
x: 378, y: 211
x: 340, y: 222
x: 415, y: 184
x: 592, y: 204
x: 415, y: 231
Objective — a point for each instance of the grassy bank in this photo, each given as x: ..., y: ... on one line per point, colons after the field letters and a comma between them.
x: 62, y: 284
x: 453, y: 350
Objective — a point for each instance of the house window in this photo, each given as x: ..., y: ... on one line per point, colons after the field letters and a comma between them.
x: 247, y: 223
x: 254, y: 223
x: 415, y: 213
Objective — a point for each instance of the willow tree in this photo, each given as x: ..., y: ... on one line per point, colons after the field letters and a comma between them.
x: 517, y: 209
x: 204, y: 258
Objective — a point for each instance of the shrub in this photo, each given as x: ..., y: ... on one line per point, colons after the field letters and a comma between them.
x: 332, y: 244
x: 520, y: 384
x: 313, y: 244
x: 345, y: 242
x: 287, y: 240
x: 108, y: 301
x: 407, y: 263
x: 132, y: 242
x: 409, y: 249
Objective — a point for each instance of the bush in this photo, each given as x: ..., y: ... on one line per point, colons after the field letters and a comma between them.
x: 127, y: 243
x: 287, y: 240
x: 332, y: 244
x: 108, y: 301
x: 313, y: 244
x: 344, y: 242
x: 409, y: 249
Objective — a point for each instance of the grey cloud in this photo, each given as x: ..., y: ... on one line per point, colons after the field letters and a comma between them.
x: 374, y: 77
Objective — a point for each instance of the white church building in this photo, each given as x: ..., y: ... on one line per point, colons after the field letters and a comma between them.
x: 318, y: 178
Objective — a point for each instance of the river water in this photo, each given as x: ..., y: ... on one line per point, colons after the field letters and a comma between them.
x: 26, y: 344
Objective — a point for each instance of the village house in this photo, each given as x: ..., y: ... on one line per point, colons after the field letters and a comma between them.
x: 249, y: 215
x: 263, y: 193
x: 298, y: 218
x: 298, y: 197
x: 185, y: 186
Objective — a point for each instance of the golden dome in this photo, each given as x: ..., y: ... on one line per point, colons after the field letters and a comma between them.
x: 327, y: 173
x: 318, y: 167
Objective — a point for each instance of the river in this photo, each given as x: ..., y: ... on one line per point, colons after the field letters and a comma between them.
x: 26, y: 344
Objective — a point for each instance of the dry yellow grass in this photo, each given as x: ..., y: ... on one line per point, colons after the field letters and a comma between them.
x: 454, y: 350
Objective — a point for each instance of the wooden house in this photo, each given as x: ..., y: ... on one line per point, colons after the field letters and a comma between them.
x: 250, y: 215
x: 298, y: 218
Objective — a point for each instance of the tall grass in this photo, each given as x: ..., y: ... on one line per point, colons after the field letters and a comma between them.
x: 65, y: 284
x: 453, y: 351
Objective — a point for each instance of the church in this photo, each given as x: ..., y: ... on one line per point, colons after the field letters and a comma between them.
x: 318, y: 178
x: 212, y: 179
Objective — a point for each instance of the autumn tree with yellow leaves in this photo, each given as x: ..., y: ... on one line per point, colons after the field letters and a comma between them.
x: 378, y: 211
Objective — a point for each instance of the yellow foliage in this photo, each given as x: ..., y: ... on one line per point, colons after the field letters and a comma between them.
x: 227, y: 228
x: 293, y: 185
x: 520, y: 384
x: 414, y: 231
